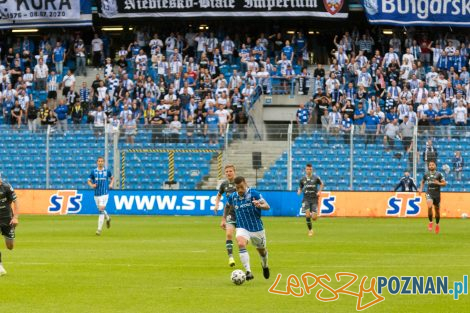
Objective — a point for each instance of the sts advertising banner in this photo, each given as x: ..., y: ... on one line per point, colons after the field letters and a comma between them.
x: 336, y: 9
x: 164, y: 202
x: 418, y: 12
x: 44, y: 13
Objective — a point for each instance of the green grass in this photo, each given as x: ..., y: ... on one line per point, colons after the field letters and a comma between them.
x: 178, y: 264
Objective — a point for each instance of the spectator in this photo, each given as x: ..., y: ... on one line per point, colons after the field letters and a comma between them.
x: 175, y: 129
x: 372, y: 128
x: 406, y: 184
x: 80, y: 57
x: 32, y: 116
x: 130, y: 129
x: 59, y: 57
x: 211, y: 126
x: 16, y: 115
x: 391, y: 132
x: 41, y: 72
x: 68, y: 82
x: 303, y: 117
x: 346, y: 127
x: 51, y: 120
x: 53, y: 82
x: 77, y: 113
x: 458, y: 164
x: 62, y: 119
x: 97, y: 51
x: 430, y: 153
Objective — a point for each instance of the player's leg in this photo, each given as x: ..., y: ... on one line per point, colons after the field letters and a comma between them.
x: 101, y: 216
x: 429, y: 202
x: 437, y: 209
x: 306, y: 210
x: 242, y: 240
x: 259, y: 241
x: 8, y: 231
x: 229, y: 231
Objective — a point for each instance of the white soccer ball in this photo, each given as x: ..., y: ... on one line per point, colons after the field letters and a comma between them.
x: 238, y: 277
x: 464, y: 215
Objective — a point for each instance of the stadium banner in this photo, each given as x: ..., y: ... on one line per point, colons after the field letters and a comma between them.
x: 334, y: 9
x: 283, y: 203
x: 44, y: 13
x: 418, y: 12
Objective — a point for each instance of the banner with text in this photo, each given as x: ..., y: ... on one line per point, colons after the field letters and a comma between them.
x: 283, y: 203
x: 221, y: 8
x: 44, y: 13
x: 418, y: 12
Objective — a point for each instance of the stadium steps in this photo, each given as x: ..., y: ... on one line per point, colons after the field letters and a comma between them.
x: 240, y: 154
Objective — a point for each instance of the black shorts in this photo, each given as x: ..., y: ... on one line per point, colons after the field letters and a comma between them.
x: 8, y: 231
x: 310, y: 205
x: 52, y: 95
x: 436, y: 199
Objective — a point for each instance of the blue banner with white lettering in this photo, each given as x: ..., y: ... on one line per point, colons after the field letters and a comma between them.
x: 418, y: 12
x: 164, y: 202
x: 44, y: 13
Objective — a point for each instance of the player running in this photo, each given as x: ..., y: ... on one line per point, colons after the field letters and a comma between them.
x: 101, y: 180
x: 435, y: 181
x: 309, y: 186
x: 8, y: 217
x: 228, y: 219
x: 248, y: 204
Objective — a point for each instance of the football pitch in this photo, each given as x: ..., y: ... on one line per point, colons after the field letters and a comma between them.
x: 179, y: 264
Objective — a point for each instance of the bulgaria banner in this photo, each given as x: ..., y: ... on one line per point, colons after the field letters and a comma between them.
x: 44, y: 13
x: 337, y: 9
x: 418, y: 12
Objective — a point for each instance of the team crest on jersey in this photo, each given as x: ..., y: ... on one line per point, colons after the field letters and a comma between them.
x: 65, y: 202
x: 333, y: 6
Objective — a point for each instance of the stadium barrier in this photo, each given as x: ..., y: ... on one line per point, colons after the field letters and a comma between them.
x: 283, y: 203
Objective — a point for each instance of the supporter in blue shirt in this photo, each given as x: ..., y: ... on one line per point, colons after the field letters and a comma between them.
x: 288, y: 51
x: 359, y: 118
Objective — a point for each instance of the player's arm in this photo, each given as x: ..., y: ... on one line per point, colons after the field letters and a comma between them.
x: 420, y: 190
x: 259, y: 202
x: 217, y: 202
x: 440, y: 181
x: 301, y: 187
x: 322, y: 185
x: 14, y: 207
x: 220, y: 192
x: 90, y: 180
x: 111, y: 180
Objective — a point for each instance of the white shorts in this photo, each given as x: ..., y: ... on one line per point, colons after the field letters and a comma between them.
x: 101, y: 201
x: 258, y: 238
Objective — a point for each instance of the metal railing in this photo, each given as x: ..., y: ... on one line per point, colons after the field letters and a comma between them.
x: 356, y: 160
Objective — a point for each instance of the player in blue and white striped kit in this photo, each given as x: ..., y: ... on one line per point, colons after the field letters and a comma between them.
x: 101, y: 180
x: 248, y: 204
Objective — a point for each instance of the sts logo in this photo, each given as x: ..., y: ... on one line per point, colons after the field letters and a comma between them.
x: 406, y: 204
x: 65, y: 202
x: 326, y: 204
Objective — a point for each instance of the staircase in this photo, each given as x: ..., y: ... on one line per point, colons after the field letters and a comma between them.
x: 240, y: 154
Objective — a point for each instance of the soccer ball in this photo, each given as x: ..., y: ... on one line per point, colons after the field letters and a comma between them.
x: 464, y: 215
x: 238, y: 277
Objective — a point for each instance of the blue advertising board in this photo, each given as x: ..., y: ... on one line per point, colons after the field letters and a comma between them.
x: 418, y: 12
x: 163, y: 202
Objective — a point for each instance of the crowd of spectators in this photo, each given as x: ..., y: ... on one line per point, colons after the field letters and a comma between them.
x: 193, y: 84
x: 417, y: 81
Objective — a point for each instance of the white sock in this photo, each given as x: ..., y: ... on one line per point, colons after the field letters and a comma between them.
x: 100, y: 221
x: 264, y: 260
x: 245, y: 258
x: 106, y: 216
